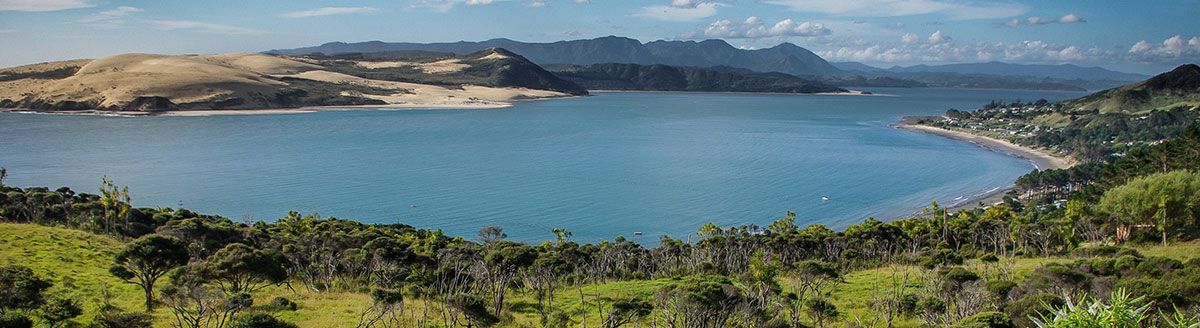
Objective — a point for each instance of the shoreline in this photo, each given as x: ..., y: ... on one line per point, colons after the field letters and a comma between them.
x: 1040, y: 159
x: 848, y: 93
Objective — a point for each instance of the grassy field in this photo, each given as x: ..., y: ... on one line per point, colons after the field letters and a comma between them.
x: 77, y: 263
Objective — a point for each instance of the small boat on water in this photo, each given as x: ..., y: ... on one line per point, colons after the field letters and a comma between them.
x: 825, y: 198
x: 637, y: 233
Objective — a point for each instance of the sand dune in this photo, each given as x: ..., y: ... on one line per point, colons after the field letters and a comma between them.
x: 150, y: 82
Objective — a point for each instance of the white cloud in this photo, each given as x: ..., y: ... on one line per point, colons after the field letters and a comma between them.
x: 110, y: 19
x: 204, y: 27
x: 42, y: 5
x: 892, y: 8
x: 1171, y: 50
x: 583, y: 1
x: 680, y: 11
x: 1035, y: 20
x: 445, y: 5
x: 535, y: 3
x: 941, y: 48
x: 326, y: 11
x: 754, y: 28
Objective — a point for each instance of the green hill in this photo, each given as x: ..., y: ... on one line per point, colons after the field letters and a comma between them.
x: 1179, y: 87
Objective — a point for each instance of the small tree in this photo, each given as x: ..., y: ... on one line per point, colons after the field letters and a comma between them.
x: 239, y: 268
x: 820, y: 311
x: 146, y: 259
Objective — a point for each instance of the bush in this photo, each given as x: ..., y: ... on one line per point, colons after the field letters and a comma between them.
x: 1164, y: 296
x: 280, y: 303
x: 987, y: 319
x: 1031, y: 306
x: 15, y: 320
x: 1157, y: 266
x: 1001, y: 288
x: 113, y: 318
x: 989, y: 257
x: 1104, y: 251
x: 1127, y: 263
x: 258, y: 320
x: 1061, y: 274
x: 1103, y: 266
x: 959, y: 275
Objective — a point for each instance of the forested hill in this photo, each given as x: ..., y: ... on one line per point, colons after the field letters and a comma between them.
x: 671, y: 78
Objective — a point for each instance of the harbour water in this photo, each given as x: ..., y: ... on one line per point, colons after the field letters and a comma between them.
x: 601, y: 166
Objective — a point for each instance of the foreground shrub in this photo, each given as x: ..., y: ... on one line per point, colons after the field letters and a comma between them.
x: 15, y: 320
x: 1121, y: 311
x: 987, y: 319
x: 258, y: 320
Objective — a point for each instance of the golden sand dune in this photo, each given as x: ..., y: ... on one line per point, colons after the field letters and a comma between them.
x: 150, y: 82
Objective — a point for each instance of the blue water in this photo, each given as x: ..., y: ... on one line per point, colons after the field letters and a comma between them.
x: 601, y: 166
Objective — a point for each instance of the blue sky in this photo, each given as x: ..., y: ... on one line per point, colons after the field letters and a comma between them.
x: 1133, y: 36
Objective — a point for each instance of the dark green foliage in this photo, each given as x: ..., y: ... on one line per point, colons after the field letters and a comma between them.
x: 821, y: 310
x: 989, y: 258
x: 1104, y: 251
x: 15, y: 320
x: 280, y: 303
x: 112, y: 318
x: 1127, y: 263
x: 909, y: 304
x: 58, y: 310
x: 1031, y: 306
x: 241, y: 268
x: 1061, y: 275
x: 146, y: 259
x: 473, y: 308
x: 986, y: 320
x: 1164, y: 296
x: 1157, y: 266
x: 1101, y: 266
x: 1000, y: 288
x: 959, y: 275
x: 20, y: 288
x: 258, y: 320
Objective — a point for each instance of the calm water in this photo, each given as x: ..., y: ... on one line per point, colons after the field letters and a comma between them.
x: 602, y: 166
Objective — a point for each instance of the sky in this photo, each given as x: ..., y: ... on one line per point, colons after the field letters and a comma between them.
x: 1145, y: 37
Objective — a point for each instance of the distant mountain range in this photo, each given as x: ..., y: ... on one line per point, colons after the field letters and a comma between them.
x: 785, y: 58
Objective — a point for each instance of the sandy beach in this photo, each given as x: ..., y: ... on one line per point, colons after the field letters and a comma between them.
x: 1040, y: 159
